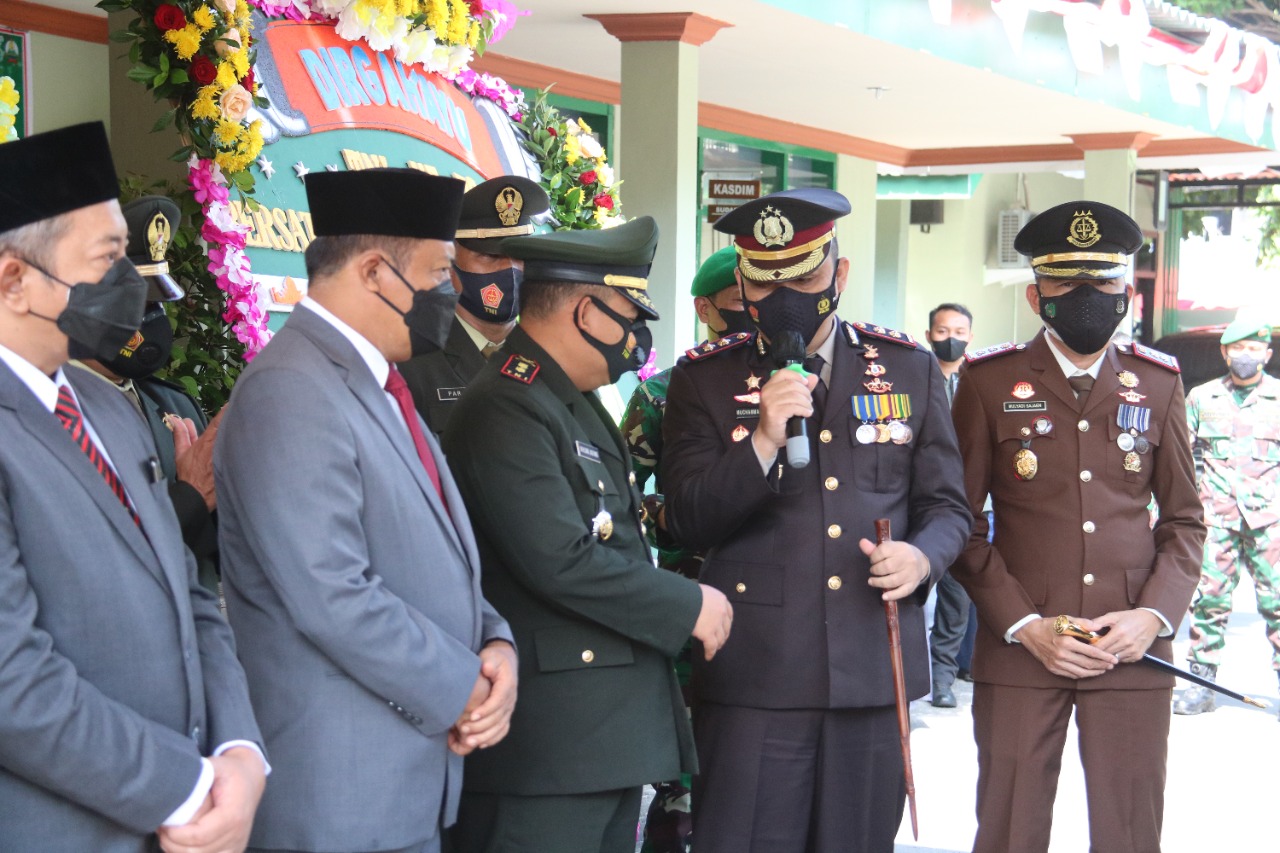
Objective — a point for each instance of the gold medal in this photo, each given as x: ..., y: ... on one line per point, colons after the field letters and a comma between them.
x: 602, y: 525
x: 882, y: 434
x: 1128, y: 379
x: 1025, y: 464
x: 1132, y: 462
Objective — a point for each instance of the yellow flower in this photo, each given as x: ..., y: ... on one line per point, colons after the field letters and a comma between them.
x: 226, y: 74
x: 8, y: 92
x: 572, y: 149
x: 204, y: 107
x: 203, y: 18
x: 459, y: 21
x: 239, y: 63
x: 185, y: 41
x: 438, y: 16
x: 586, y: 128
x: 226, y: 131
x: 242, y: 13
x: 473, y: 35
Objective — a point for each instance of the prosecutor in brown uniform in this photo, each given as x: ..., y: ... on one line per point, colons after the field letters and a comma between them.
x: 1073, y: 436
x: 794, y: 719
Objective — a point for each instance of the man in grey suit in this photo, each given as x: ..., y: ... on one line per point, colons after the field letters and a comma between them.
x: 123, y: 711
x: 349, y: 566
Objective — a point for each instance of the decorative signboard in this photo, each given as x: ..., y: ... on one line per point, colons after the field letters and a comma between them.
x: 724, y: 194
x: 13, y: 85
x: 339, y: 105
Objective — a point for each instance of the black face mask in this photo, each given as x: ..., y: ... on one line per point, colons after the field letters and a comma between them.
x: 485, y: 298
x: 101, y: 318
x: 148, y: 350
x: 788, y: 310
x: 430, y: 316
x: 949, y: 349
x: 618, y: 358
x: 1245, y: 367
x: 734, y: 322
x: 1084, y: 317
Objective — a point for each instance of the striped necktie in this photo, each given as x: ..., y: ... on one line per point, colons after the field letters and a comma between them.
x: 69, y: 413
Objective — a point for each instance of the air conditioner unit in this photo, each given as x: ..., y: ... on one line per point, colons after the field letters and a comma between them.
x: 1010, y: 223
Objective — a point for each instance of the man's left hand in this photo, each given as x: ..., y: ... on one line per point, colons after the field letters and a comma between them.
x: 489, y: 722
x: 896, y: 567
x: 1131, y: 633
x: 238, y: 779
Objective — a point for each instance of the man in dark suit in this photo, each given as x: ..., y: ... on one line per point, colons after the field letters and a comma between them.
x: 795, y: 720
x: 123, y: 711
x: 173, y: 417
x: 547, y: 479
x: 1072, y: 436
x: 349, y: 567
x: 488, y: 285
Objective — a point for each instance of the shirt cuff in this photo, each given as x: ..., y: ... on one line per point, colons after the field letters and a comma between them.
x: 183, y: 814
x: 766, y: 464
x: 247, y: 744
x: 1167, y: 630
x: 1017, y: 626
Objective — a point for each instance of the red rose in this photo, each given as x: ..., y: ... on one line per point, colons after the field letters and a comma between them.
x: 170, y: 17
x: 202, y: 70
x: 477, y: 8
x: 248, y: 81
x: 552, y: 131
x: 588, y: 177
x: 604, y: 200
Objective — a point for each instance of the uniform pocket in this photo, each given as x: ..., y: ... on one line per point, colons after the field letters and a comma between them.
x: 580, y: 647
x: 1134, y: 581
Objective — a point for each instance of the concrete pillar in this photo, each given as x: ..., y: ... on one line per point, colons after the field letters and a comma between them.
x: 856, y: 180
x: 658, y: 130
x: 1110, y: 165
x: 888, y: 306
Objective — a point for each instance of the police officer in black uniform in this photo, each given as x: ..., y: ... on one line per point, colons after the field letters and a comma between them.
x: 488, y: 285
x: 794, y: 719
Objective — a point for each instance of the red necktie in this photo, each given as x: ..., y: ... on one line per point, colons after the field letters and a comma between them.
x: 399, y: 389
x: 69, y: 413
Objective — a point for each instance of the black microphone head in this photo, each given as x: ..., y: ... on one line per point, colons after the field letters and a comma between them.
x: 788, y: 348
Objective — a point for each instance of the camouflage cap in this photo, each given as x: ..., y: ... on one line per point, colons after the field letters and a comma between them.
x: 716, y: 273
x: 1247, y: 328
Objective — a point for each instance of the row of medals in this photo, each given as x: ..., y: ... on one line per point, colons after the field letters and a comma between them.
x: 880, y: 432
x: 1132, y: 442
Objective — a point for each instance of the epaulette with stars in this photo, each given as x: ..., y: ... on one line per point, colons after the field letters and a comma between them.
x: 891, y: 335
x: 520, y: 369
x: 712, y: 347
x: 1168, y: 362
x: 992, y: 351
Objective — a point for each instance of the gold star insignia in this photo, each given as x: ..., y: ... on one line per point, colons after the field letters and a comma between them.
x: 753, y: 382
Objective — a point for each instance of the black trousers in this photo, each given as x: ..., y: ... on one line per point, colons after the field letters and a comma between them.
x: 950, y: 619
x: 802, y: 781
x: 603, y: 822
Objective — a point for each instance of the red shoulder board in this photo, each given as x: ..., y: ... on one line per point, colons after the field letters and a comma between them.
x: 1154, y: 356
x: 726, y: 343
x: 886, y: 334
x: 520, y: 369
x: 992, y: 351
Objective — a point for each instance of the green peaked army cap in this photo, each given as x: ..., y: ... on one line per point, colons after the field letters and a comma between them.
x: 614, y: 257
x: 1247, y: 328
x: 716, y: 273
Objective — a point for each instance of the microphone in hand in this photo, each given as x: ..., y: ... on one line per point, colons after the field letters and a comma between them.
x: 788, y: 353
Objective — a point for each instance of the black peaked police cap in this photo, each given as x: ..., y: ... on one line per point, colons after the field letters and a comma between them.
x: 1079, y: 239
x: 385, y: 202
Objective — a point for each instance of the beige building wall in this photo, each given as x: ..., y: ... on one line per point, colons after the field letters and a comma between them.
x: 69, y: 81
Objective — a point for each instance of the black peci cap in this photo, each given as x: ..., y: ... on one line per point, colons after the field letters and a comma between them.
x: 1079, y: 239
x: 386, y: 202
x: 615, y: 257
x: 55, y: 172
x: 499, y: 208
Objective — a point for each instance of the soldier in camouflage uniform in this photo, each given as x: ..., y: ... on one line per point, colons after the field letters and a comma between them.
x: 1235, y: 426
x: 718, y: 302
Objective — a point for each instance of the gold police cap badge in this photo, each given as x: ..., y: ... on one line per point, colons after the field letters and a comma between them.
x: 509, y: 204
x: 1084, y: 231
x: 772, y: 228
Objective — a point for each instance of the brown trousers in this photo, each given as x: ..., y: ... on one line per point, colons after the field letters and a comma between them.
x: 1020, y: 732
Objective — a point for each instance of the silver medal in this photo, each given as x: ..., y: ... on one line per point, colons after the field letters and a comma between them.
x: 865, y: 434
x: 1125, y: 442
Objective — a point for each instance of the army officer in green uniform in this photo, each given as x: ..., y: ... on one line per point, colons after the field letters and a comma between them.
x: 488, y: 285
x: 547, y: 482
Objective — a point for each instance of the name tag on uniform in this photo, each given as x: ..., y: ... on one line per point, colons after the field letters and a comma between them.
x: 742, y: 414
x: 587, y: 451
x: 1026, y: 406
x: 449, y: 395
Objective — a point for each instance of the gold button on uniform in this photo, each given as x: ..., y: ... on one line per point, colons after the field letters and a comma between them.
x: 742, y: 587
x: 834, y: 582
x: 1025, y: 431
x: 1086, y: 476
x: 1088, y: 579
x: 588, y: 656
x: 834, y: 531
x: 825, y: 436
x: 831, y: 484
x: 1083, y: 426
x: 1089, y: 527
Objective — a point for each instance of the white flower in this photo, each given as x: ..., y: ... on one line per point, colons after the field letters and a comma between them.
x: 604, y: 173
x: 590, y: 148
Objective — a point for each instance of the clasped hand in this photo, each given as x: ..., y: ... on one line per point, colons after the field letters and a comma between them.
x: 486, y: 719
